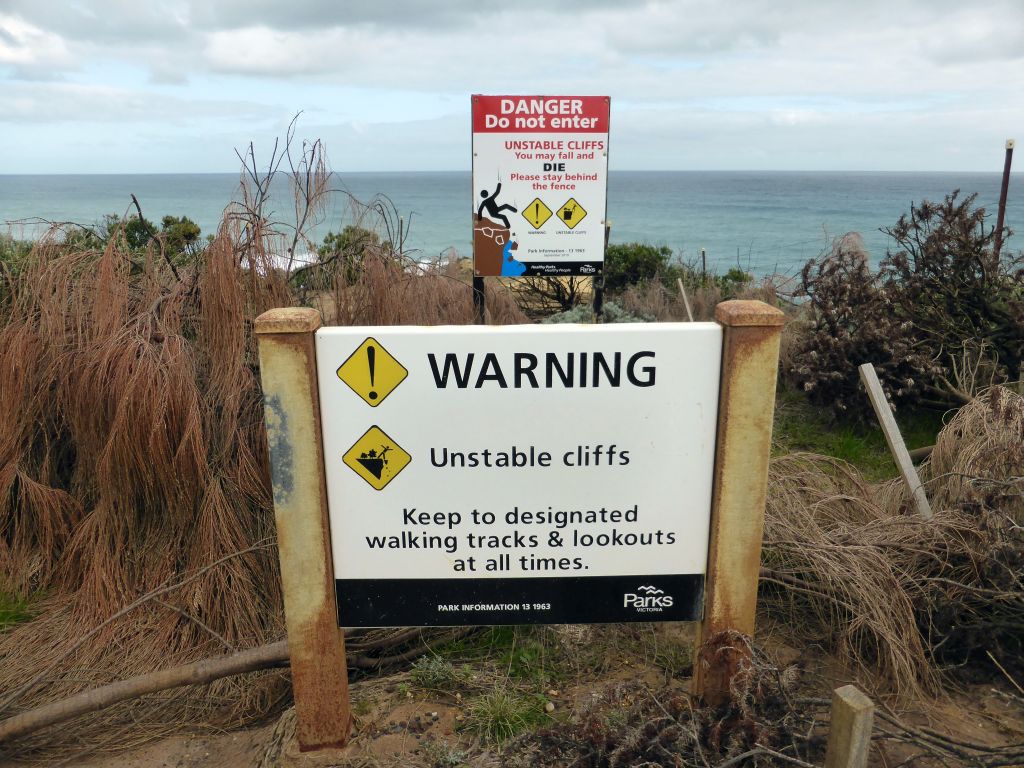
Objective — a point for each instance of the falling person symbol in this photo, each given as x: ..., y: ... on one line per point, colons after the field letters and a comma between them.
x: 494, y: 210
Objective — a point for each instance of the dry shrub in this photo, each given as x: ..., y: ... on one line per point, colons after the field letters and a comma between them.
x: 850, y: 319
x: 978, y: 460
x: 655, y: 300
x: 131, y: 454
x: 633, y: 724
x: 395, y: 291
x: 841, y: 564
x: 133, y: 458
x: 977, y: 467
x: 851, y: 564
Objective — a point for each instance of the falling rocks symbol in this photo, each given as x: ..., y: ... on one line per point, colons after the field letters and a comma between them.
x: 374, y: 461
x: 376, y: 458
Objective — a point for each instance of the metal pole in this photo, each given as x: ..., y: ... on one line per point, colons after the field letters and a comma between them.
x: 598, y: 285
x: 291, y: 408
x: 1002, y: 196
x: 479, y: 300
x: 746, y: 405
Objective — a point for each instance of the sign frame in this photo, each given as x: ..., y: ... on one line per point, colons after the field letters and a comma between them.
x: 288, y: 371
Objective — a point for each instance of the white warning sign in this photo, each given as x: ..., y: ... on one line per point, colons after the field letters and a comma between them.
x: 521, y: 474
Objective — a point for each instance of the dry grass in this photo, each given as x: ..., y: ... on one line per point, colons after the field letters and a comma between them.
x: 132, y: 458
x: 900, y: 597
x: 652, y: 299
x: 133, y: 455
x: 394, y: 291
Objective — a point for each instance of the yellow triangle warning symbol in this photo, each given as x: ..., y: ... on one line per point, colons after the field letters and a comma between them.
x: 572, y: 213
x: 536, y: 213
x: 372, y: 372
x: 376, y: 458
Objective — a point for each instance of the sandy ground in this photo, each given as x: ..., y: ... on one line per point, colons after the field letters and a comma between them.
x: 394, y: 720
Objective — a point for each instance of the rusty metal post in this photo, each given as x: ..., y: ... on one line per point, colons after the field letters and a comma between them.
x: 746, y: 405
x: 291, y: 404
x: 1003, y: 190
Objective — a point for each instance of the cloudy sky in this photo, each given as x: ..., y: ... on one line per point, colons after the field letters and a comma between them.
x: 145, y: 86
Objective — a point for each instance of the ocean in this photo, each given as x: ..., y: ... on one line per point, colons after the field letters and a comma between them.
x: 762, y: 222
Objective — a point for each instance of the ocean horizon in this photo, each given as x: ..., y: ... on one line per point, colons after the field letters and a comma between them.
x: 764, y: 222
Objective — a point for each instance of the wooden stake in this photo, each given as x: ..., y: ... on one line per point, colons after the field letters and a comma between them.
x: 849, y: 735
x: 897, y: 447
x: 291, y: 404
x: 746, y: 404
x: 686, y: 299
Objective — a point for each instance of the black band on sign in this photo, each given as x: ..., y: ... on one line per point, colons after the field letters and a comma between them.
x: 549, y: 600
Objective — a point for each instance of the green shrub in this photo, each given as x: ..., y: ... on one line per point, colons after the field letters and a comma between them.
x: 504, y: 712
x: 441, y: 754
x: 945, y: 276
x: 432, y: 673
x: 849, y: 322
x: 628, y: 264
x: 942, y: 318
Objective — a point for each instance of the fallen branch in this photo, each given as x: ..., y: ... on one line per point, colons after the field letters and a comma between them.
x: 196, y: 673
x: 127, y: 609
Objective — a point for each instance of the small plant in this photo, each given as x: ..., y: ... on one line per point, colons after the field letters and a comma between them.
x: 361, y: 707
x: 441, y: 754
x: 13, y: 609
x: 432, y: 673
x: 675, y: 657
x: 504, y: 712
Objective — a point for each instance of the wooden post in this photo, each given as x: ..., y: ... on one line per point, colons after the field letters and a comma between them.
x: 1003, y: 189
x: 291, y: 404
x: 746, y: 404
x: 849, y: 734
x: 894, y: 439
x: 686, y: 299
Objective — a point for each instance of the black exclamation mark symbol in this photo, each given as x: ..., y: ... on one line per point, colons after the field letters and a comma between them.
x: 371, y: 359
x: 536, y: 212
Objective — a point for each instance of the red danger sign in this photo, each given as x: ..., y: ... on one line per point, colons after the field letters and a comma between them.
x: 540, y: 114
x: 540, y: 171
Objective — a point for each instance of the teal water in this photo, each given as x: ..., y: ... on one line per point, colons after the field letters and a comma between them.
x: 764, y: 222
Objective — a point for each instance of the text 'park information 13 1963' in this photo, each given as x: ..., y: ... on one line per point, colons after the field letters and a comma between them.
x: 509, y: 475
x: 540, y: 176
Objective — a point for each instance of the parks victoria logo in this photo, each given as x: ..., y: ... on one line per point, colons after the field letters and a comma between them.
x: 647, y: 599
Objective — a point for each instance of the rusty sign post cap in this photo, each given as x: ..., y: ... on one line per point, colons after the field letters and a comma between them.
x: 288, y: 320
x: 742, y: 312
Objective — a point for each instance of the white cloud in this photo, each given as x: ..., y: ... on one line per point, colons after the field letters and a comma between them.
x: 748, y: 83
x: 29, y: 47
x: 75, y: 104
